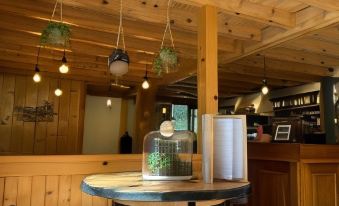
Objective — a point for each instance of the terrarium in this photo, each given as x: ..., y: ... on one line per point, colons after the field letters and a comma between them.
x: 167, y: 154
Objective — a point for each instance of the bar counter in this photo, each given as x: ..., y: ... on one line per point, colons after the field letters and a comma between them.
x: 286, y: 174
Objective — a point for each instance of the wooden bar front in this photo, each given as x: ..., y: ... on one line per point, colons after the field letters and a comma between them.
x: 293, y: 174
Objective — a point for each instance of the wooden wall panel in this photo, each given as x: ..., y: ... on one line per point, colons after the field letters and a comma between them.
x: 27, y: 187
x: 324, y: 190
x: 62, y: 136
x: 29, y: 127
x: 52, y: 190
x: 6, y: 108
x: 41, y: 127
x: 24, y: 191
x: 52, y: 127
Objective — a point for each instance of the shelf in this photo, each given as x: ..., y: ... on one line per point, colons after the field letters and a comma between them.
x: 297, y: 107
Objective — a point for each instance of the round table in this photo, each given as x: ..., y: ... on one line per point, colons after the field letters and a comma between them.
x: 129, y: 187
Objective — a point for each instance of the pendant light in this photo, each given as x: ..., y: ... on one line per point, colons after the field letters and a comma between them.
x: 118, y: 61
x: 145, y: 84
x: 264, y: 88
x: 37, y: 76
x: 58, y: 91
x: 64, y: 66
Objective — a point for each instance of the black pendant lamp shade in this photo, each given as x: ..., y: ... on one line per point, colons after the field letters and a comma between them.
x: 118, y: 62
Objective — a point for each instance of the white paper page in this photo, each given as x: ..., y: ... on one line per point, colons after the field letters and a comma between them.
x: 238, y: 153
x: 223, y: 148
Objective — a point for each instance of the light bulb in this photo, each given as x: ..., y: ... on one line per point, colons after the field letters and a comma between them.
x: 109, y: 103
x: 37, y: 77
x: 58, y: 92
x: 264, y: 90
x: 63, y: 68
x: 145, y: 84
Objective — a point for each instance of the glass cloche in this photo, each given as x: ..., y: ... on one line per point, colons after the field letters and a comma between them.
x: 167, y: 154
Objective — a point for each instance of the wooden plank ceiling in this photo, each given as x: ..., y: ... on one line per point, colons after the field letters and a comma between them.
x: 299, y: 39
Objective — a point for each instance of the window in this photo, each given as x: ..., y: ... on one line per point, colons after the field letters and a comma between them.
x: 180, y: 115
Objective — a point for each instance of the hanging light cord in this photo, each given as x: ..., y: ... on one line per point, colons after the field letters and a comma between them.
x: 37, y: 57
x: 168, y: 26
x: 264, y: 68
x: 146, y: 72
x: 121, y: 30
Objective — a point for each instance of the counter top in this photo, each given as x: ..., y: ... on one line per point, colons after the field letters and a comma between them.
x: 293, y: 152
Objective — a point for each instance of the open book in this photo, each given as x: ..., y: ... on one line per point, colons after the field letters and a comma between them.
x: 224, y: 147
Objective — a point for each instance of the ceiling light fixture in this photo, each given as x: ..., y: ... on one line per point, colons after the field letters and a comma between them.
x: 58, y: 91
x: 145, y: 84
x: 118, y: 61
x: 37, y: 76
x: 64, y: 68
x: 264, y: 88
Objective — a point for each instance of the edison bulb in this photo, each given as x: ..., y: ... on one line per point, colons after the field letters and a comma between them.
x: 145, y: 84
x: 58, y: 92
x: 63, y: 68
x: 37, y: 77
x: 264, y: 90
x: 109, y: 103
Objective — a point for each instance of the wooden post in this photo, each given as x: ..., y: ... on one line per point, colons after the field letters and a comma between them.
x: 207, y: 65
x: 144, y: 116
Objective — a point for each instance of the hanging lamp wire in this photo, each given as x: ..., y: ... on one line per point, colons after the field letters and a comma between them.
x: 168, y: 26
x: 121, y: 31
x: 264, y: 68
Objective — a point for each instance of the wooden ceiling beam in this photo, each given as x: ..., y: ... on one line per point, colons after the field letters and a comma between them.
x: 93, y: 38
x: 225, y: 76
x: 270, y: 73
x: 108, y: 22
x: 330, y: 5
x: 314, y: 22
x: 249, y: 10
x: 287, y: 66
x: 300, y: 56
x: 25, y: 69
x: 315, y: 45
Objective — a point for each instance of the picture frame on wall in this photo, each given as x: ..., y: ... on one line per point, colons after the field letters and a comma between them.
x: 282, y: 133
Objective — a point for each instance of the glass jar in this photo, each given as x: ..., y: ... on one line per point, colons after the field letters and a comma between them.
x: 167, y: 156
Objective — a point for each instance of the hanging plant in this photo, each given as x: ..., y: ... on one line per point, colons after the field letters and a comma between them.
x: 167, y: 59
x: 168, y: 56
x: 56, y: 34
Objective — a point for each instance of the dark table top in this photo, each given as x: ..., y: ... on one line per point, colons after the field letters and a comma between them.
x: 130, y: 186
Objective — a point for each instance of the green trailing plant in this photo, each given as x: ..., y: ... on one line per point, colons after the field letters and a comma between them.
x: 56, y: 34
x: 165, y: 61
x: 158, y: 161
x: 157, y: 65
x: 168, y: 56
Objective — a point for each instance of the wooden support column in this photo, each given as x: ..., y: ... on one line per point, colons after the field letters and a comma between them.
x: 207, y: 65
x: 144, y: 115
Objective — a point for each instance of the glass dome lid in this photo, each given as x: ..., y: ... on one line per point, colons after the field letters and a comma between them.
x: 167, y: 154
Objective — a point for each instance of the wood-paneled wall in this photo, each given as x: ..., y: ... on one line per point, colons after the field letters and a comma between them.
x: 55, y: 180
x: 62, y: 136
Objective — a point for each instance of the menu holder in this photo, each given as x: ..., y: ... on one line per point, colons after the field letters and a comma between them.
x: 224, y: 145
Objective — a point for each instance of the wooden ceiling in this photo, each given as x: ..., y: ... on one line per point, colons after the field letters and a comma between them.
x: 299, y: 38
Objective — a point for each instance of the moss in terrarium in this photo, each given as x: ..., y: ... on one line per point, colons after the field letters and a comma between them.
x: 157, y: 161
x: 56, y: 33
